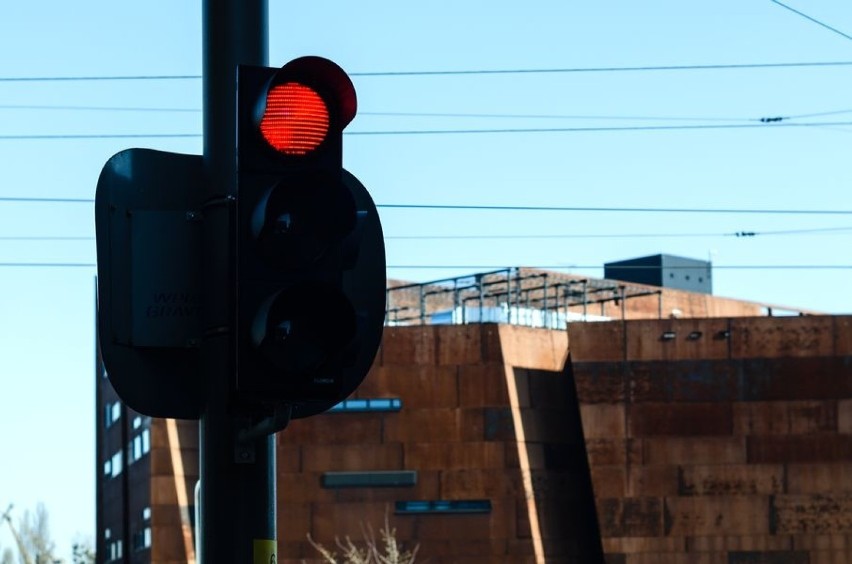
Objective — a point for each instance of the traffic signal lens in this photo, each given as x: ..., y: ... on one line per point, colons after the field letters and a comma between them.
x: 296, y: 120
x: 303, y: 327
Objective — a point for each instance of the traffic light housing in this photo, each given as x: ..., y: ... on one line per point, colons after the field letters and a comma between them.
x: 309, y: 251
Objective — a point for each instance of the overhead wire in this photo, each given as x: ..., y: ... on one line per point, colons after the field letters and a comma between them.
x: 694, y: 127
x: 48, y: 264
x: 598, y: 266
x: 484, y: 207
x: 446, y: 72
x: 493, y: 266
x: 43, y: 238
x: 812, y: 19
x: 562, y: 70
x: 737, y: 234
x: 465, y: 115
x: 78, y: 136
x: 607, y: 209
x: 451, y: 73
x: 98, y: 108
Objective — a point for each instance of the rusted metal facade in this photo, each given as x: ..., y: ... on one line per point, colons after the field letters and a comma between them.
x: 708, y: 440
x: 719, y: 440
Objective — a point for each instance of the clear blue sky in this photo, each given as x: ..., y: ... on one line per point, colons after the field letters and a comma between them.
x: 47, y: 314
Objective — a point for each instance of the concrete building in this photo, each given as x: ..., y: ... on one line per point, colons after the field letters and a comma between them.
x: 667, y: 271
x: 147, y: 471
x: 721, y: 436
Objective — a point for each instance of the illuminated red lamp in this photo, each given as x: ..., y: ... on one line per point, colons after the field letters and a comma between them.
x: 296, y: 120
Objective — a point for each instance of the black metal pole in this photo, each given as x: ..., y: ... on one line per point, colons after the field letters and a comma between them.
x: 237, y: 480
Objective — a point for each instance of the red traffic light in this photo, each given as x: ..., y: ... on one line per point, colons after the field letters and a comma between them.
x: 303, y: 107
x: 295, y: 120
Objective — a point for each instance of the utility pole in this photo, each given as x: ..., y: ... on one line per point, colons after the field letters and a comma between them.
x: 238, y: 478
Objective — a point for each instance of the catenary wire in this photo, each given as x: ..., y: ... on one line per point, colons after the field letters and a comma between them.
x: 436, y: 114
x: 492, y: 266
x: 768, y: 211
x: 97, y: 108
x: 647, y: 68
x: 598, y: 266
x: 695, y: 127
x: 551, y: 116
x: 100, y: 136
x: 48, y: 264
x: 400, y: 114
x: 738, y: 234
x: 614, y: 209
x: 812, y: 19
x: 43, y: 238
x: 555, y: 70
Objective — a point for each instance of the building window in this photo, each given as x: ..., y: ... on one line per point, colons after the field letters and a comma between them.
x: 134, y: 449
x: 381, y: 479
x: 139, y: 446
x: 146, y: 514
x: 442, y: 506
x: 107, y: 469
x: 115, y: 465
x: 115, y: 551
x: 112, y: 413
x: 107, y: 533
x: 142, y: 539
x: 137, y: 422
x: 367, y: 405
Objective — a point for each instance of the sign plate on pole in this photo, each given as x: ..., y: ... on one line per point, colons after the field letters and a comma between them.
x: 148, y: 241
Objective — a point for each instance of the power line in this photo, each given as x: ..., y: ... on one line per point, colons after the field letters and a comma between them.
x: 48, y: 264
x: 764, y: 124
x: 100, y: 136
x: 814, y: 20
x: 551, y: 116
x: 26, y: 199
x: 399, y: 114
x: 613, y: 209
x: 738, y: 234
x: 555, y: 70
x: 598, y: 266
x: 820, y: 114
x: 438, y: 114
x: 46, y: 238
x: 825, y: 230
x: 603, y: 69
x: 475, y: 207
x: 493, y: 267
x: 695, y: 127
x: 97, y: 108
x: 99, y: 78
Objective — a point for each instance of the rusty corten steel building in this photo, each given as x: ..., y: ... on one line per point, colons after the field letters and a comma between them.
x: 719, y: 440
x: 709, y: 440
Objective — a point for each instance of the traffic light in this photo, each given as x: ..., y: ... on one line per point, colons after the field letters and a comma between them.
x: 310, y: 263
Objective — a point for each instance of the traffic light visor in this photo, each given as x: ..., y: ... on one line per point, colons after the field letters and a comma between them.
x: 296, y: 119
